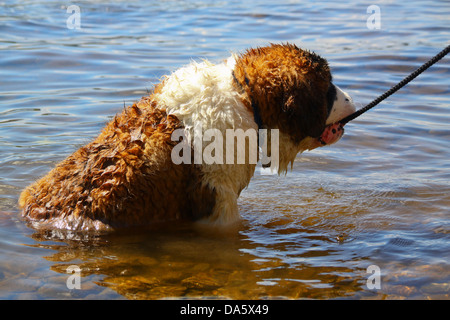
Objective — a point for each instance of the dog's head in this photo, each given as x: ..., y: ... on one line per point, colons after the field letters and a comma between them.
x: 291, y: 89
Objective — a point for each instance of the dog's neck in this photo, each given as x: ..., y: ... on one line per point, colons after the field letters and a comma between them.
x: 253, y: 103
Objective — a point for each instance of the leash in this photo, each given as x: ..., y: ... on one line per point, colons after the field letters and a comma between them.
x: 399, y: 85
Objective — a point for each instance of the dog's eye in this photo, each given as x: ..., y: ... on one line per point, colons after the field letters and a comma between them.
x: 331, y: 97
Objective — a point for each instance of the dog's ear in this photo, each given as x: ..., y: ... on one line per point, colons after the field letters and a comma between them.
x: 288, y: 86
x: 303, y: 111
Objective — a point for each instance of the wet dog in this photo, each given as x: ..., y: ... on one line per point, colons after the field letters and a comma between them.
x: 127, y: 176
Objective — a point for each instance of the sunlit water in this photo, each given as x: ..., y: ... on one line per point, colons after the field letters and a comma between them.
x: 381, y: 196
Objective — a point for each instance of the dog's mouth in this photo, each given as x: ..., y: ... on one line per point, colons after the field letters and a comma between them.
x: 331, y: 134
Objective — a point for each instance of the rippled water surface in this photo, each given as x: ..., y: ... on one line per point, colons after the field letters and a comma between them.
x: 380, y: 196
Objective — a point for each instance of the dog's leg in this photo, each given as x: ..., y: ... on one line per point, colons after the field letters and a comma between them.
x: 225, y: 210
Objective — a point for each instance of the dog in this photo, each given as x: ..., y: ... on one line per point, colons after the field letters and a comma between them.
x: 127, y: 177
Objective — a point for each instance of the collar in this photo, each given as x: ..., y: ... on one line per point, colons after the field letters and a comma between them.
x: 255, y: 107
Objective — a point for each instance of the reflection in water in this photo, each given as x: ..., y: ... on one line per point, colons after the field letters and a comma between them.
x: 314, y: 240
x: 319, y: 247
x: 191, y: 261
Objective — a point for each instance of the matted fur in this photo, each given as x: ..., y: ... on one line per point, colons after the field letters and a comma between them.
x: 126, y: 176
x: 204, y: 95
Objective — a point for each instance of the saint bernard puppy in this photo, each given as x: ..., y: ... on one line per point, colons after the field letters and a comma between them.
x: 127, y: 175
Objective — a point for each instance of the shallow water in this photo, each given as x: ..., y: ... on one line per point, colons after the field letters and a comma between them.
x: 380, y: 196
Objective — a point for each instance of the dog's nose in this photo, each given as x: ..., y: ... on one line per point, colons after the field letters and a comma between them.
x: 343, y: 106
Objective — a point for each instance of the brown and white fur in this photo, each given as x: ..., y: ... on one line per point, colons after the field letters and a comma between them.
x: 126, y: 176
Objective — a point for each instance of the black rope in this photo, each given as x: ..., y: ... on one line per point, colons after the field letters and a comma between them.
x: 399, y: 85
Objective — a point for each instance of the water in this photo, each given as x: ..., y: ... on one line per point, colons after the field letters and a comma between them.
x: 379, y: 197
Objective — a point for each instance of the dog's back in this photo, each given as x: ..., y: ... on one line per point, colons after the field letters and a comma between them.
x: 125, y: 177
